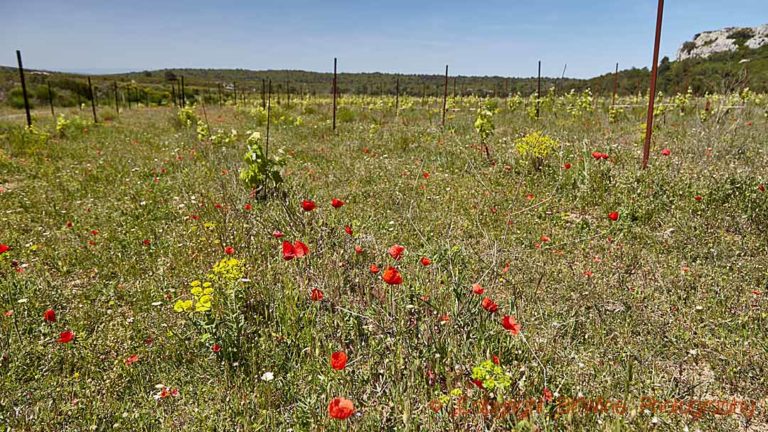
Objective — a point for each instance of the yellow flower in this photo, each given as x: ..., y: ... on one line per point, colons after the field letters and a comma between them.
x: 197, y: 291
x: 182, y: 305
x: 203, y: 304
x: 195, y: 283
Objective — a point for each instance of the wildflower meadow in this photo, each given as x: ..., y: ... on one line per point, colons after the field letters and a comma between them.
x: 513, y: 269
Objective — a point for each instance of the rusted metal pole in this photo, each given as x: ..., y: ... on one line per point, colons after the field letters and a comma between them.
x: 652, y: 92
x: 334, y: 93
x: 93, y: 100
x: 24, y: 88
x: 445, y: 94
x: 269, y: 107
x: 615, y: 85
x: 538, y: 92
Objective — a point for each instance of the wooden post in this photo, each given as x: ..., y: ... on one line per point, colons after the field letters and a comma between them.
x: 117, y: 103
x: 397, y: 97
x: 538, y: 92
x: 173, y: 94
x: 263, y: 93
x: 334, y: 93
x: 183, y: 96
x: 50, y: 99
x: 24, y: 88
x: 652, y: 90
x: 615, y: 85
x: 445, y: 94
x: 93, y: 100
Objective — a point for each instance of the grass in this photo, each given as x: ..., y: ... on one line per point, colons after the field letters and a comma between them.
x: 112, y: 223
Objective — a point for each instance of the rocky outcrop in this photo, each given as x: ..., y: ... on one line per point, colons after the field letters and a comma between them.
x: 726, y: 40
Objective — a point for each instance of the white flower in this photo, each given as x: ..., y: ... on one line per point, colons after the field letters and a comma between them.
x: 268, y: 376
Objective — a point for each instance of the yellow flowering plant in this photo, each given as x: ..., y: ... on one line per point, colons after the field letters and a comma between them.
x: 214, y: 306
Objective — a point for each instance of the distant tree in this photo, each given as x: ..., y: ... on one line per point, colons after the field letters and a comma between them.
x: 170, y: 76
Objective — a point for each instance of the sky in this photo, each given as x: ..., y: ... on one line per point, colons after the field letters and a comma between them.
x: 496, y: 37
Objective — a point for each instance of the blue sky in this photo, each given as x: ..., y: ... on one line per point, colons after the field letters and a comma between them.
x: 474, y: 37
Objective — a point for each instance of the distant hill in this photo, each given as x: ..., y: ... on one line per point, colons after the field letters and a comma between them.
x: 718, y: 71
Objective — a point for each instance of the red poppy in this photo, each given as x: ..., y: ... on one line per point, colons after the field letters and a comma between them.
x: 374, y: 268
x: 392, y: 276
x: 597, y: 155
x: 289, y: 252
x: 295, y: 250
x: 4, y: 248
x: 94, y: 232
x: 341, y: 408
x: 146, y: 242
x: 761, y: 187
x: 425, y: 261
x: 339, y: 360
x: 336, y: 203
x: 567, y: 165
x: 194, y: 217
x: 396, y: 251
x: 301, y: 250
x: 666, y: 152
x: 478, y: 383
x: 530, y: 197
x: 490, y: 305
x: 510, y: 324
x: 316, y: 294
x: 66, y: 336
x: 496, y: 359
x: 358, y: 249
x: 614, y: 216
x: 131, y: 360
x: 697, y: 198
x: 229, y: 250
x: 477, y: 289
x: 247, y: 207
x: 49, y: 316
x: 8, y: 313
x: 216, y: 348
x: 425, y: 175
x: 603, y: 156
x: 308, y: 205
x: 70, y: 224
x: 348, y: 229
x: 277, y: 234
x: 545, y: 239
